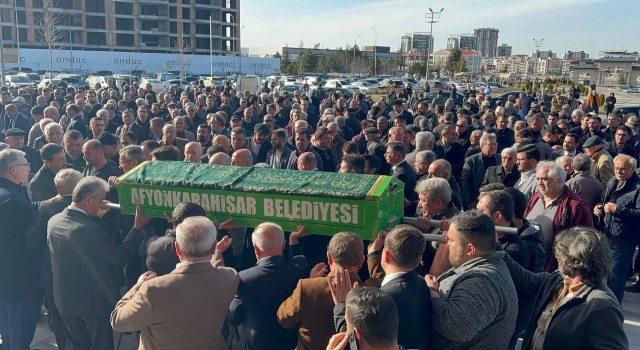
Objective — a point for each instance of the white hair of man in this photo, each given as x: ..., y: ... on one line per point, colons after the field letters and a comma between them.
x: 509, y: 150
x: 435, y: 188
x: 577, y: 112
x: 553, y: 170
x: 103, y: 113
x: 632, y: 161
x: 487, y: 137
x: 90, y: 186
x: 333, y: 126
x: 66, y: 181
x: 423, y: 139
x: 51, y: 126
x: 196, y: 236
x: 10, y: 158
x: 268, y: 235
x: 426, y: 157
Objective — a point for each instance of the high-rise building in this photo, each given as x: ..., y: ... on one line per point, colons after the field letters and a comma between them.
x: 131, y: 25
x: 421, y: 42
x: 504, y: 50
x: 543, y: 54
x: 576, y: 54
x: 462, y: 42
x: 487, y: 41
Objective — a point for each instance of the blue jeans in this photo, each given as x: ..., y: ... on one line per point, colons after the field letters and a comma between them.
x: 622, y: 257
x: 18, y: 320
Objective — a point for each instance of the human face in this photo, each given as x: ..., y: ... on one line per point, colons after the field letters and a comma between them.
x: 481, y: 206
x: 169, y: 134
x: 622, y: 169
x: 548, y: 186
x: 592, y: 151
x: 451, y: 136
x: 128, y: 118
x: 552, y: 119
x: 142, y: 113
x: 54, y: 135
x: 277, y: 142
x: 302, y: 142
x: 180, y: 124
x: 92, y: 204
x: 396, y: 135
x: 427, y: 205
x: 259, y: 137
x: 594, y: 125
x: 567, y: 165
x: 21, y: 170
x: 503, y: 123
x: 74, y: 147
x: 127, y: 164
x: 524, y: 163
x: 457, y: 247
x: 125, y: 141
x: 569, y: 144
x: 90, y: 155
x: 474, y: 140
x: 421, y: 167
x: 489, y: 148
x: 192, y: 154
x: 613, y: 122
x: 508, y: 161
x: 382, y: 124
x: 325, y: 140
x: 237, y: 141
x: 621, y: 137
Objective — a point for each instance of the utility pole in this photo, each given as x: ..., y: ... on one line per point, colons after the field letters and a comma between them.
x: 375, y: 53
x: 537, y: 44
x: 354, y: 53
x: 211, y: 47
x: 18, y: 40
x: 431, y: 17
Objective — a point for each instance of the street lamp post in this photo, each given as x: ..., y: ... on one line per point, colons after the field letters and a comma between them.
x: 538, y: 45
x: 211, y: 47
x: 354, y: 53
x: 233, y: 45
x: 240, y: 46
x: 375, y: 52
x: 431, y: 17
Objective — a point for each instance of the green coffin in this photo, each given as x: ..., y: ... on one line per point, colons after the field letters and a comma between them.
x: 325, y: 203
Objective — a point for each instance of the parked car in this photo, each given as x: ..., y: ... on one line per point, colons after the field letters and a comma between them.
x: 635, y: 109
x: 347, y: 93
x: 168, y: 83
x: 366, y: 87
x: 289, y: 87
x: 18, y: 80
x: 632, y: 90
x: 341, y: 83
x: 156, y: 84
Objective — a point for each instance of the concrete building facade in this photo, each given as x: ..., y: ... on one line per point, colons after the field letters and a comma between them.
x: 504, y: 50
x: 145, y: 26
x: 421, y: 42
x: 487, y: 41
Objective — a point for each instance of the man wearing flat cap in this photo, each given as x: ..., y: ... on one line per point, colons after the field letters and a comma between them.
x: 602, y: 168
x: 14, y: 137
x: 259, y: 143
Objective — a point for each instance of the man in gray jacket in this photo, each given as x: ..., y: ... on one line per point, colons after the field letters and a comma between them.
x: 474, y: 303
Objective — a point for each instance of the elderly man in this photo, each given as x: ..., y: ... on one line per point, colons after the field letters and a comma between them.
x: 53, y: 133
x: 263, y: 288
x: 193, y: 152
x: 242, y: 158
x: 475, y: 168
x: 602, y: 167
x: 220, y: 159
x: 474, y: 302
x: 434, y: 202
x: 424, y: 141
x: 20, y: 295
x: 82, y: 255
x: 169, y: 138
x: 619, y: 217
x: 582, y: 183
x: 129, y: 125
x: 421, y: 163
x: 506, y: 173
x: 555, y: 207
x: 14, y: 137
x: 200, y: 281
x: 440, y: 168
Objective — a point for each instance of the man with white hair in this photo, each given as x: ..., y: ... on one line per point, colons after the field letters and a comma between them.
x: 187, y: 307
x: 555, y: 207
x: 475, y: 167
x: 506, y: 172
x: 193, y: 152
x: 83, y: 256
x: 264, y: 287
x: 424, y: 142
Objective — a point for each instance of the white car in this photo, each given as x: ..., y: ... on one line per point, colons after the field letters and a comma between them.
x: 168, y: 83
x: 340, y: 83
x: 366, y: 87
x: 18, y: 80
x: 156, y: 84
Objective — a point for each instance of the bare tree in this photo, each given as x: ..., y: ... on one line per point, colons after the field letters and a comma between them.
x: 49, y: 31
x: 181, y: 45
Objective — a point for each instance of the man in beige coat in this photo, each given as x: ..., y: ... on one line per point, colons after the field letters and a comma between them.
x: 186, y: 308
x: 602, y: 167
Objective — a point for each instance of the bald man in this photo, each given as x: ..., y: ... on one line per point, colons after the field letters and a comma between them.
x: 264, y: 287
x: 220, y: 159
x: 242, y: 158
x: 307, y: 162
x: 193, y: 152
x: 222, y: 141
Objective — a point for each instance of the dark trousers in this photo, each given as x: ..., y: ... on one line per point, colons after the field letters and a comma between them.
x: 18, y: 320
x: 88, y: 332
x: 55, y: 319
x: 622, y: 257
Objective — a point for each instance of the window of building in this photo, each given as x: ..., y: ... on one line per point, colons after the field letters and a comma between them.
x: 124, y: 23
x: 202, y: 28
x: 23, y: 35
x: 203, y: 2
x: 37, y: 4
x: 173, y: 12
x: 173, y: 27
x: 7, y: 33
x: 124, y: 40
x: 64, y: 4
x: 95, y: 38
x: 92, y: 6
x: 202, y: 44
x: 124, y: 8
x: 186, y: 28
x: 95, y: 22
x: 150, y: 40
x: 19, y: 3
x: 203, y: 14
x: 150, y: 25
x: 149, y: 10
x: 186, y: 13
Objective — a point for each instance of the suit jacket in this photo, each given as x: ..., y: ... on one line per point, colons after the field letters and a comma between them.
x: 261, y: 291
x: 602, y: 169
x: 42, y: 186
x: 587, y: 187
x: 180, y: 143
x: 284, y: 158
x: 82, y: 260
x: 261, y: 157
x: 627, y: 149
x: 78, y: 124
x: 455, y: 157
x: 495, y: 174
x: 182, y: 310
x: 528, y: 186
x: 472, y: 176
x: 19, y: 264
x: 141, y: 133
x: 310, y: 310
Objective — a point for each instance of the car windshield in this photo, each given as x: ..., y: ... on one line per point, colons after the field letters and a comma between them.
x: 20, y: 79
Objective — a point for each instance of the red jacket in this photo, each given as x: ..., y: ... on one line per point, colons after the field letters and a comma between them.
x: 572, y: 211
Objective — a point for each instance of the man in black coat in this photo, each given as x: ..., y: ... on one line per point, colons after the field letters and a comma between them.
x: 505, y: 173
x: 449, y: 149
x: 263, y: 288
x: 83, y: 257
x: 394, y: 259
x: 259, y: 143
x: 20, y: 295
x: 42, y: 186
x: 402, y: 171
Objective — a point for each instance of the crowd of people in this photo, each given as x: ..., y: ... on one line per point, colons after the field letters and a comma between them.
x: 556, y: 174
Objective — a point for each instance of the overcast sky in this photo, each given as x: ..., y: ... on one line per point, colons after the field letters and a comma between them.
x: 584, y: 25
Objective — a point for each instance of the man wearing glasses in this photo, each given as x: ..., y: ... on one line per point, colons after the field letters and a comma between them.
x: 20, y: 295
